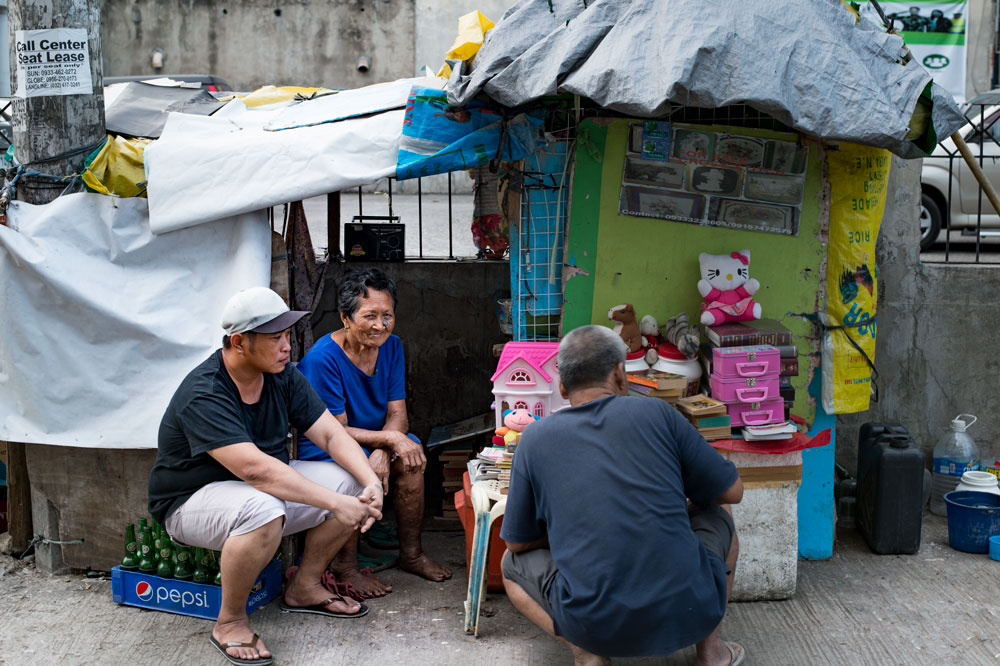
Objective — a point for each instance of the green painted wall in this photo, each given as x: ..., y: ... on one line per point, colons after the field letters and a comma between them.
x: 653, y: 264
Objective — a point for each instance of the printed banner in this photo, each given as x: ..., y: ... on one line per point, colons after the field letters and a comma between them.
x: 52, y: 62
x: 935, y: 33
x: 858, y: 176
x: 437, y: 138
x: 685, y: 173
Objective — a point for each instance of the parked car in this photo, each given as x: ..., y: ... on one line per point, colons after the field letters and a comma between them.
x: 209, y: 82
x: 939, y: 171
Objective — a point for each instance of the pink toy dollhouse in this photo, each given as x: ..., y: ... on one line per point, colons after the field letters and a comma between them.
x: 527, y: 378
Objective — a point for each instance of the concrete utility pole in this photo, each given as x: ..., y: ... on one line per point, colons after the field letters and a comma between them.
x: 58, y: 119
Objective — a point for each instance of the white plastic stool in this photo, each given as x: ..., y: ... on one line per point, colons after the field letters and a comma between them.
x: 488, y: 504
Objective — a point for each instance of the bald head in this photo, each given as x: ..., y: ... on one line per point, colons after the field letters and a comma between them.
x: 588, y: 356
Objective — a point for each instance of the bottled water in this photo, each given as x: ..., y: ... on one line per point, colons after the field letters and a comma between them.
x: 954, y: 455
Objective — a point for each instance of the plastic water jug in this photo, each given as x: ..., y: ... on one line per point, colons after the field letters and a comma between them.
x: 954, y: 455
x: 890, y: 499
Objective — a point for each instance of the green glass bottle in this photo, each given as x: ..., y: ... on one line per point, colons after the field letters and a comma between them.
x: 157, y: 542
x: 182, y: 571
x: 130, y: 561
x: 201, y: 574
x: 215, y: 561
x: 140, y: 535
x: 165, y: 569
x: 146, y: 564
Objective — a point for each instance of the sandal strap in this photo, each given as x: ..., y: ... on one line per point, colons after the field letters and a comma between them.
x: 237, y: 644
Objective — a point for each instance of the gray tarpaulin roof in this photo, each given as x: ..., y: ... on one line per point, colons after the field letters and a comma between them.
x: 806, y: 63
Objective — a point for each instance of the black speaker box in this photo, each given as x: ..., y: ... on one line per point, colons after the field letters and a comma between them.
x: 374, y: 241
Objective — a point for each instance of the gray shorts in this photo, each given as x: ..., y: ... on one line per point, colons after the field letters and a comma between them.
x: 231, y: 508
x: 534, y: 570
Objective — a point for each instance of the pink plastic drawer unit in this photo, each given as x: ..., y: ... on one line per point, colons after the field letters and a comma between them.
x: 756, y: 413
x: 748, y: 361
x: 744, y: 389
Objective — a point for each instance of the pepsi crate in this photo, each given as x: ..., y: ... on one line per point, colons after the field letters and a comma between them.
x: 135, y: 588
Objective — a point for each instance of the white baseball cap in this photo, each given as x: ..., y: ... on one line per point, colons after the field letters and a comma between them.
x: 258, y: 310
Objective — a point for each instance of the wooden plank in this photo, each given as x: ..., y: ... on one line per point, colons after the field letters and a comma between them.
x: 766, y: 474
x: 18, y: 497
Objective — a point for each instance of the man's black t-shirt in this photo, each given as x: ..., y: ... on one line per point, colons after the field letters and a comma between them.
x: 207, y: 412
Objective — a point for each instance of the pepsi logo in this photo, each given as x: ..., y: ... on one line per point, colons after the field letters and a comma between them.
x: 144, y: 590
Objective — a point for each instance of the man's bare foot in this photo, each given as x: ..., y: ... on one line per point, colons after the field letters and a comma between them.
x: 239, y: 631
x: 367, y: 585
x: 303, y: 593
x: 720, y: 653
x: 421, y: 565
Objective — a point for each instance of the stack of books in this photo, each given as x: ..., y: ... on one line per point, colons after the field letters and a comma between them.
x: 769, y: 432
x: 760, y: 332
x: 486, y: 465
x: 708, y: 415
x: 663, y: 385
x: 505, y: 463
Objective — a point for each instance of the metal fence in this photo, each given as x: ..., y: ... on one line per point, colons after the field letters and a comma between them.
x: 957, y: 221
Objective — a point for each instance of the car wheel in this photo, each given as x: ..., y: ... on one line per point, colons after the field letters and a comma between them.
x: 930, y: 221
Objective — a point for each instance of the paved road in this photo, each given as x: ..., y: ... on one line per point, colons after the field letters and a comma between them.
x: 936, y: 607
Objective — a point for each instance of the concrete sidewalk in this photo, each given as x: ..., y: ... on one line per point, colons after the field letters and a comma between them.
x: 938, y: 607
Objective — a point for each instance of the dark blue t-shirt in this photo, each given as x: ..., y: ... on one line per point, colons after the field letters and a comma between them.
x: 347, y: 390
x: 609, y: 480
x: 207, y: 412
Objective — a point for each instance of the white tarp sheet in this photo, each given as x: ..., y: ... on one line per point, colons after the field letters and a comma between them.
x: 806, y: 63
x: 103, y: 319
x: 205, y: 168
x: 350, y: 103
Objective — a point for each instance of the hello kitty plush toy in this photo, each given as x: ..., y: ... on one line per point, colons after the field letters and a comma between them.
x: 727, y: 288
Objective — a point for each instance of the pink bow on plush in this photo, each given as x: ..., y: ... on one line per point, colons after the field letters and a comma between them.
x: 743, y: 260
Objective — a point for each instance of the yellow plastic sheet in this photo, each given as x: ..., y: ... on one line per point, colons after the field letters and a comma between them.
x: 858, y: 176
x: 471, y: 33
x: 116, y: 168
x: 276, y: 94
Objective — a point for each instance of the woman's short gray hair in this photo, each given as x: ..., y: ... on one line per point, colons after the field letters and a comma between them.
x: 588, y: 355
x: 355, y: 285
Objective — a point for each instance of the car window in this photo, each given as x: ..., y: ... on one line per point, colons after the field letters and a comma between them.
x: 992, y: 125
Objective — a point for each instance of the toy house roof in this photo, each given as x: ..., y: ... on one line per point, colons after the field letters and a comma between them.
x: 535, y: 354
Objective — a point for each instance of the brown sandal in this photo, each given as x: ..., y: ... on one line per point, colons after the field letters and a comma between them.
x: 262, y: 661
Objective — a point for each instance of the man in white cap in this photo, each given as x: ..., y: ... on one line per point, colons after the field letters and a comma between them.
x: 223, y: 480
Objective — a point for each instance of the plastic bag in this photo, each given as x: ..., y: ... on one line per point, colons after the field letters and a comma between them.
x: 858, y: 177
x: 472, y: 29
x: 116, y: 167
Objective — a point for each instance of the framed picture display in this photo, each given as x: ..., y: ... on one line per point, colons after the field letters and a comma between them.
x: 713, y: 179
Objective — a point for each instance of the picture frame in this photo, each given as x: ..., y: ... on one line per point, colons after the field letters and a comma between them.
x: 637, y: 201
x: 774, y: 188
x: 753, y: 216
x: 715, y: 180
x: 743, y: 151
x: 654, y: 173
x: 785, y: 157
x: 693, y: 145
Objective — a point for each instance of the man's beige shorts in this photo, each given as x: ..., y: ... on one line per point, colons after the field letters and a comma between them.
x: 231, y: 508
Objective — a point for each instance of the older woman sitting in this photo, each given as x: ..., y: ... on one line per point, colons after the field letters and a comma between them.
x: 359, y: 373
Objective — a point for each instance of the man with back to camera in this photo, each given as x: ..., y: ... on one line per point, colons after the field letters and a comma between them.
x: 222, y: 478
x: 605, y: 550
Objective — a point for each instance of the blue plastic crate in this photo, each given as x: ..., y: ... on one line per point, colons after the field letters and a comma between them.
x: 135, y: 588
